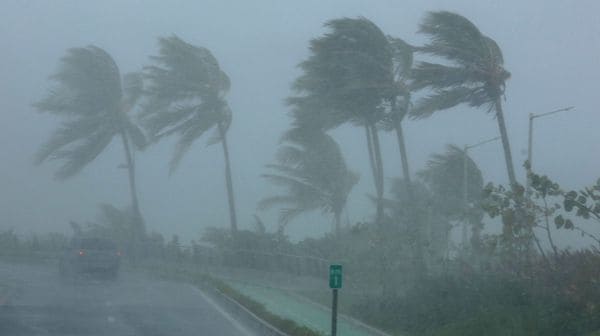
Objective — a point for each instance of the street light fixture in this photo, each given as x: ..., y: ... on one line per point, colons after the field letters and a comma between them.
x: 530, y: 142
x: 466, y: 183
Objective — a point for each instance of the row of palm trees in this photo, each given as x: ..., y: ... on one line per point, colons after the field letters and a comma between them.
x: 357, y: 75
x: 354, y: 75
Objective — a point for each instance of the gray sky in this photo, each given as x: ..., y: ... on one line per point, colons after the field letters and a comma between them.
x: 550, y: 47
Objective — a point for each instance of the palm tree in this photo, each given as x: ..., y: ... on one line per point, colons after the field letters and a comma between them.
x: 186, y: 97
x: 444, y: 175
x: 312, y: 170
x: 346, y: 79
x: 474, y: 74
x: 94, y: 102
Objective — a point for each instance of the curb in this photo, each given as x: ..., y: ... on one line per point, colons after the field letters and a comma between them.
x: 256, y: 323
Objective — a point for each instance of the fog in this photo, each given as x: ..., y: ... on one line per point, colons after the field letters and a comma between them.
x: 550, y: 47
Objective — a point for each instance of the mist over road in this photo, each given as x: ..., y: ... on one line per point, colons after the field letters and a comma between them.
x: 41, y: 304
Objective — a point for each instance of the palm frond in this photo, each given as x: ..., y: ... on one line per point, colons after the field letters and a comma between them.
x: 347, y: 75
x: 444, y: 174
x: 437, y: 76
x: 402, y: 55
x: 185, y: 95
x: 312, y: 173
x: 133, y: 88
x: 453, y: 37
x: 278, y: 200
x: 190, y: 132
x: 77, y: 156
x: 88, y: 82
x: 70, y: 131
x: 440, y: 100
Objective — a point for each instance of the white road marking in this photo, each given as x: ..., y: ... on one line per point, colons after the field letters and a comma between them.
x: 225, y: 314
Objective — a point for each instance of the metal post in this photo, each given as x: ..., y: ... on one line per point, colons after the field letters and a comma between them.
x: 530, y: 142
x: 529, y: 155
x: 334, y: 312
x: 466, y: 185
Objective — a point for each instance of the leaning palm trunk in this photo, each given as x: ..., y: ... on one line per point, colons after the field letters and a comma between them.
x: 402, y: 148
x: 414, y: 223
x: 379, y: 173
x: 375, y: 160
x: 505, y: 144
x: 228, y: 180
x: 139, y: 220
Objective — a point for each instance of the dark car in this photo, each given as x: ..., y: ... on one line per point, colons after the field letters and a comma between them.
x: 98, y: 256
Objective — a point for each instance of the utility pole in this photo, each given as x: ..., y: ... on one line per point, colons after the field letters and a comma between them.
x: 466, y: 185
x: 530, y: 143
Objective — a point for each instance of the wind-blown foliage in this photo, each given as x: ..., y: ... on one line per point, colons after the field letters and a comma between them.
x: 346, y: 79
x: 90, y: 97
x: 313, y: 173
x: 94, y: 101
x: 186, y: 90
x: 186, y: 97
x: 444, y: 175
x: 473, y: 74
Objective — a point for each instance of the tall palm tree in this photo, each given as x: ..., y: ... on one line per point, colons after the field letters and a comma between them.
x: 186, y: 96
x: 474, y: 72
x: 94, y: 102
x: 313, y: 173
x: 346, y: 79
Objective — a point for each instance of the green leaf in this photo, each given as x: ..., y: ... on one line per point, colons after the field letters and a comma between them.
x: 559, y: 221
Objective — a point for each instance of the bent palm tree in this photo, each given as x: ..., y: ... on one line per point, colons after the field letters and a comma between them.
x: 186, y: 97
x: 346, y: 79
x: 312, y: 170
x: 457, y: 183
x: 475, y: 74
x: 444, y: 174
x: 94, y: 102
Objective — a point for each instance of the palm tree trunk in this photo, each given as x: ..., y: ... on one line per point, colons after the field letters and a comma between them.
x: 505, y: 144
x: 370, y: 151
x: 403, y: 155
x: 228, y: 181
x: 379, y: 172
x: 401, y: 144
x: 139, y: 221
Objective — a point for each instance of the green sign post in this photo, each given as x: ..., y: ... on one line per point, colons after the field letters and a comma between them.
x: 335, y: 283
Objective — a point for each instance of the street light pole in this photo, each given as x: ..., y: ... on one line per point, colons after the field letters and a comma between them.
x: 466, y: 185
x: 530, y: 143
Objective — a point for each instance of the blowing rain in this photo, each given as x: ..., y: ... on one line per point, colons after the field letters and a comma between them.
x: 351, y: 168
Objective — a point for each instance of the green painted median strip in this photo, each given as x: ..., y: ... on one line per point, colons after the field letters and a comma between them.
x: 287, y: 306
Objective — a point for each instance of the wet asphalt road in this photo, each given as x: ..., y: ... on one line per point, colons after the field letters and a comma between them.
x: 41, y: 304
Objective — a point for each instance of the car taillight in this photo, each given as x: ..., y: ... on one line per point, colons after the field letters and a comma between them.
x: 81, y: 252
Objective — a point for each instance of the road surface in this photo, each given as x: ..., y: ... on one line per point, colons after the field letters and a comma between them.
x: 41, y: 304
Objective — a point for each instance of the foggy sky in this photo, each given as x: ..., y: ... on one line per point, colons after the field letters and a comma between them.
x: 550, y: 47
